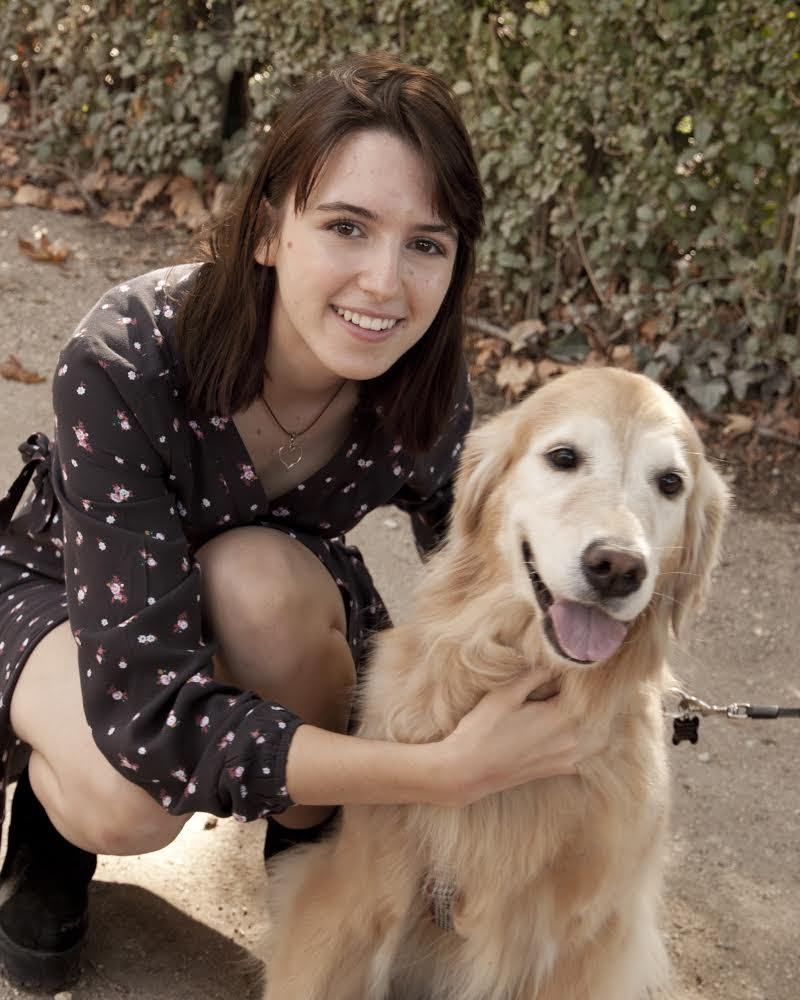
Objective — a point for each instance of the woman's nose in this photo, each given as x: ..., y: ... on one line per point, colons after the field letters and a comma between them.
x: 380, y: 273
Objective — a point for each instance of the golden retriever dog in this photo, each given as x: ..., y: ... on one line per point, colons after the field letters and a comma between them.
x: 585, y: 527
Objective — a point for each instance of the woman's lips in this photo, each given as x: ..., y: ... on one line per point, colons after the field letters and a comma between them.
x: 363, y: 332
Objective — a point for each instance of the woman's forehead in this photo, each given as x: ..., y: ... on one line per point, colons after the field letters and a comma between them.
x: 380, y: 172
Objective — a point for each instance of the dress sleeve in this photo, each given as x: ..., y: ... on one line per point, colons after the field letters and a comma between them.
x: 133, y: 595
x: 427, y: 495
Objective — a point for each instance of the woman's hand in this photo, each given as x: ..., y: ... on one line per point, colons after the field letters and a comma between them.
x: 507, y: 741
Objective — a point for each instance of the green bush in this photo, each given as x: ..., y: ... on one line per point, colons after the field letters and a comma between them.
x: 640, y: 157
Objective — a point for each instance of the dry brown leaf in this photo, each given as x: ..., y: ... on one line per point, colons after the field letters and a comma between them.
x: 186, y: 204
x: 68, y: 203
x: 789, y: 425
x: 29, y: 194
x: 95, y: 180
x: 547, y: 369
x: 221, y: 199
x: 13, y: 370
x: 120, y: 186
x: 119, y: 219
x: 5, y: 202
x: 738, y: 424
x: 651, y: 328
x: 41, y: 248
x: 514, y: 376
x: 150, y: 191
x: 622, y: 357
x: 525, y: 332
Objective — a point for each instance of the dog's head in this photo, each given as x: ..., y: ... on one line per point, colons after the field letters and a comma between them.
x: 594, y: 496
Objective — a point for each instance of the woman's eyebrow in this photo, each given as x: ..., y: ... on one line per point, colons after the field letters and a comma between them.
x: 365, y: 213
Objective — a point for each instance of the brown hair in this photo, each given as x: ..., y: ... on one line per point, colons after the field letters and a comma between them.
x: 223, y: 322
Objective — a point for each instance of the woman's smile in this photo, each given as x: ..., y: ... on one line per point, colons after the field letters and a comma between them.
x: 366, y: 325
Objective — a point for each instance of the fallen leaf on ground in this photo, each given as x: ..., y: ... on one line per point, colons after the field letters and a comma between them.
x: 43, y: 249
x: 13, y: 370
x: 525, y: 332
x: 120, y: 185
x: 547, y: 369
x: 220, y: 202
x: 150, y: 192
x: 95, y: 180
x: 118, y: 218
x: 622, y: 356
x: 186, y: 203
x: 650, y: 329
x: 515, y: 376
x: 29, y: 194
x: 68, y: 203
x: 789, y: 425
x: 738, y: 424
x: 489, y: 349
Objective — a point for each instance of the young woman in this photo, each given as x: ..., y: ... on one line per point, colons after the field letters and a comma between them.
x: 181, y: 622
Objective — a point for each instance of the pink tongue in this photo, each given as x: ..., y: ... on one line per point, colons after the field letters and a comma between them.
x: 586, y: 633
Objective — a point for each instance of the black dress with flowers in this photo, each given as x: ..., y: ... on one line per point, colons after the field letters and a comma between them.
x: 129, y: 490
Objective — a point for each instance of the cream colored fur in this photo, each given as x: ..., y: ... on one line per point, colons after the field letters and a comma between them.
x: 559, y: 880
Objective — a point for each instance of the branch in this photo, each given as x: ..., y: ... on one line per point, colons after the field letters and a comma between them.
x: 602, y: 345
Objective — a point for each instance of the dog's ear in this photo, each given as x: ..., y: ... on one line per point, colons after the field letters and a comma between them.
x: 488, y: 453
x: 705, y: 518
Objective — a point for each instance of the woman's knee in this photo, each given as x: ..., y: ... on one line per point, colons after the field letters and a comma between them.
x: 101, y: 811
x: 267, y: 596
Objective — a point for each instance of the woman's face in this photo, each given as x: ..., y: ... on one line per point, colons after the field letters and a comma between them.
x: 363, y: 269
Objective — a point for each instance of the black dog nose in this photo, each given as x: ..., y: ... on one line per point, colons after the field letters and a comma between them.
x: 612, y: 572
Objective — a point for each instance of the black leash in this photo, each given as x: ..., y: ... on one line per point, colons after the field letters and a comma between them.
x: 686, y: 721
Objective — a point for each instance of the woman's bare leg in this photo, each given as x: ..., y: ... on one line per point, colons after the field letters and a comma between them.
x: 281, y: 625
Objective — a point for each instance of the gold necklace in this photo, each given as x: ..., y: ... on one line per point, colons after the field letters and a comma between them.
x: 292, y: 452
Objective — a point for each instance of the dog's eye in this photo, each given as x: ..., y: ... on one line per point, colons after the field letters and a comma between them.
x: 563, y: 458
x: 670, y: 483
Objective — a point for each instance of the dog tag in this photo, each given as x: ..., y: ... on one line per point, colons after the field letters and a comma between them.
x: 685, y: 728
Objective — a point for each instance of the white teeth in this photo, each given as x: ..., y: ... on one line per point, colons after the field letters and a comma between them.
x: 374, y: 323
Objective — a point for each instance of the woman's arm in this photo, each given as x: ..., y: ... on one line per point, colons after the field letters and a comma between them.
x: 503, y: 742
x: 133, y: 589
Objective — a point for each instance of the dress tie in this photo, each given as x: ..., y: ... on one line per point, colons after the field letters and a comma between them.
x: 36, y: 453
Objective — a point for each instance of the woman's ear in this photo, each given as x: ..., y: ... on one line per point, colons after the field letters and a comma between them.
x: 266, y: 244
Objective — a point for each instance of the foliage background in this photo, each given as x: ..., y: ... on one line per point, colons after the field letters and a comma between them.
x: 640, y: 157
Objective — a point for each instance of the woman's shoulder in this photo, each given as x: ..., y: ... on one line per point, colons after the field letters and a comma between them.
x: 130, y: 330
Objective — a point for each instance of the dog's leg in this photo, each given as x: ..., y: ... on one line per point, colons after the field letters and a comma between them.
x: 339, y: 920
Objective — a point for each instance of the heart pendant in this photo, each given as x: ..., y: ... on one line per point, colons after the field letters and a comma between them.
x: 290, y: 454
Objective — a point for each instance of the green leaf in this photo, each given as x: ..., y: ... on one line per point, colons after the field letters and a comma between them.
x: 707, y: 394
x: 702, y: 130
x: 193, y: 169
x: 764, y: 153
x: 571, y: 346
x: 226, y: 66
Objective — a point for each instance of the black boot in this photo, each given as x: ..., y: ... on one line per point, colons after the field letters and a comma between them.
x: 44, y: 886
x: 281, y: 838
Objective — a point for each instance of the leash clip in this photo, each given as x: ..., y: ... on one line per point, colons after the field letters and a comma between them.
x: 738, y: 710
x: 688, y: 703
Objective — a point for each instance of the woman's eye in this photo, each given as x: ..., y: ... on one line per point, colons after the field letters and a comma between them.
x: 670, y: 483
x: 563, y: 458
x: 427, y: 247
x: 344, y: 228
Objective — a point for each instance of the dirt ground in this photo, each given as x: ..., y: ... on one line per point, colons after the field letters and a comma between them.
x: 181, y: 924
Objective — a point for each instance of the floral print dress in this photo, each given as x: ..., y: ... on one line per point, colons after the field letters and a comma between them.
x: 130, y: 488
